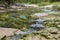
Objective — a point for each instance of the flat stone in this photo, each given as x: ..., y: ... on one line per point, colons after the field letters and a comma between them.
x: 7, y: 32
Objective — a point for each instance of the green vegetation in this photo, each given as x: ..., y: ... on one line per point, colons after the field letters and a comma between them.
x: 13, y: 21
x: 22, y: 19
x: 43, y: 3
x: 36, y: 1
x: 19, y: 20
x: 7, y: 3
x: 52, y: 23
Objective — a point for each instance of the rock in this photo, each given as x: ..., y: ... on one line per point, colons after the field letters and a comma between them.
x: 31, y: 5
x: 2, y: 5
x: 49, y: 7
x: 4, y: 11
x: 49, y: 37
x: 36, y: 37
x: 51, y: 18
x: 7, y: 32
x: 46, y: 35
x: 38, y: 15
x: 56, y: 35
x: 52, y: 30
x: 58, y: 26
x: 21, y: 39
x: 57, y: 23
x: 14, y: 6
x: 58, y: 38
x: 43, y: 38
x: 52, y: 39
x: 29, y: 37
x: 2, y: 8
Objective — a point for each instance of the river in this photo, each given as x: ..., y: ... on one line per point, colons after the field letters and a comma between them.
x: 37, y: 25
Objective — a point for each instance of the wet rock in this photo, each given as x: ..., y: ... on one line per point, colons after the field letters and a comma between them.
x: 53, y: 30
